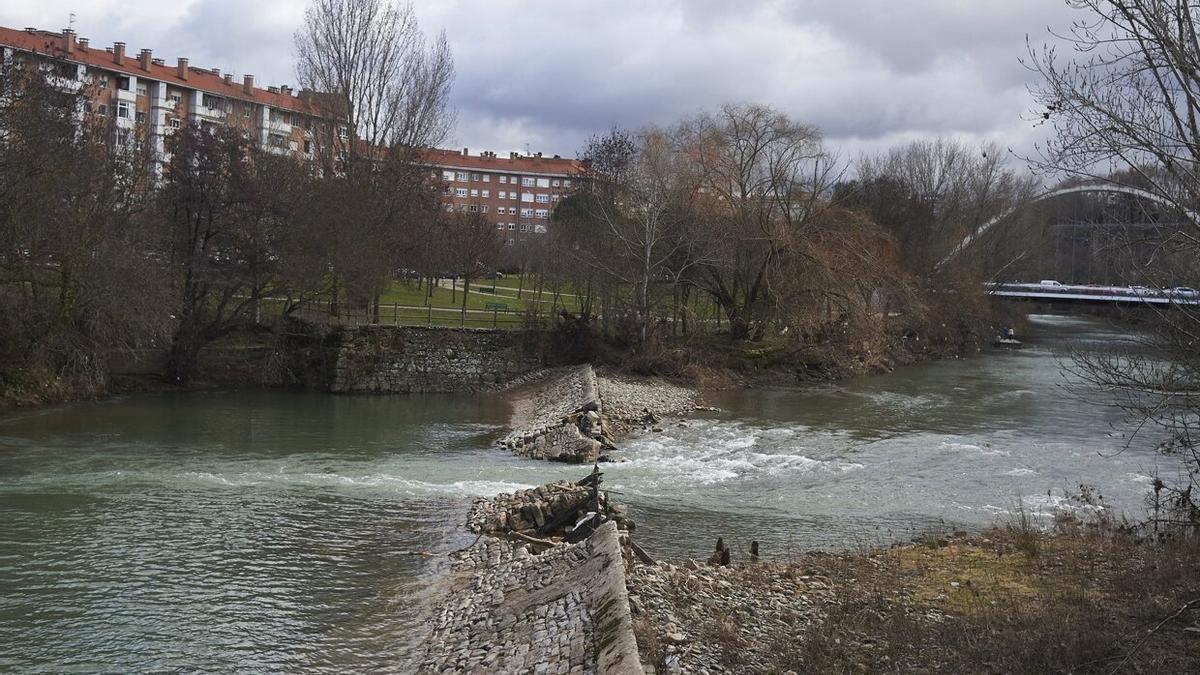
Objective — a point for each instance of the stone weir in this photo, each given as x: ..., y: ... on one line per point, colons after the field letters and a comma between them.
x: 559, y: 418
x: 563, y: 610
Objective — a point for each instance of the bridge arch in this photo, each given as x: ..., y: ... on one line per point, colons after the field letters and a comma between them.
x: 1112, y: 188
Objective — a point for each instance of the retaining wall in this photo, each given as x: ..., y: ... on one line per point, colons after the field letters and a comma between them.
x: 389, y: 359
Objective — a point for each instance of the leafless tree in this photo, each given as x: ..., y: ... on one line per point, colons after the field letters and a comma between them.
x: 385, y: 76
x: 934, y: 195
x: 1125, y: 106
x: 368, y: 62
x: 763, y: 179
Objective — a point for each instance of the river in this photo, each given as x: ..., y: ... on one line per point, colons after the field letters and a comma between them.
x: 286, y: 531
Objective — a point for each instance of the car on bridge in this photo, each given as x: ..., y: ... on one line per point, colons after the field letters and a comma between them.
x: 1049, y: 282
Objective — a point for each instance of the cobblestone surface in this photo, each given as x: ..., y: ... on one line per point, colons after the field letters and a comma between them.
x: 558, y: 418
x: 699, y: 618
x: 630, y: 403
x: 508, y: 611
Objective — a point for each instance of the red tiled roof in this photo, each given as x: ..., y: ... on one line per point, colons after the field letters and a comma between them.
x: 51, y: 44
x: 520, y: 164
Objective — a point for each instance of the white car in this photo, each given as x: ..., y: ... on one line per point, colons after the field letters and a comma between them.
x: 1049, y: 282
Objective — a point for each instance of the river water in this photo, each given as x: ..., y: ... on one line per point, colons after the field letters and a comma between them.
x: 280, y: 531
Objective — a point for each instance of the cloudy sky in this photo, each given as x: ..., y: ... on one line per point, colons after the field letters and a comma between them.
x: 546, y: 74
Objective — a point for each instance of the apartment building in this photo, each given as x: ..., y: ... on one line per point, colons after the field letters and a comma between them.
x: 516, y: 192
x: 143, y: 95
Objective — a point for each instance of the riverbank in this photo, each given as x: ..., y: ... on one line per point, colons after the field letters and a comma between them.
x: 1079, y: 598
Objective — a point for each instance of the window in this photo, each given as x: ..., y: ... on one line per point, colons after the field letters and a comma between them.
x: 512, y: 226
x: 524, y: 227
x: 175, y: 98
x: 543, y: 199
x: 474, y: 192
x: 123, y: 109
x: 460, y: 192
x: 102, y: 110
x: 486, y: 193
x: 512, y: 210
x: 566, y: 183
x: 123, y: 83
x: 214, y: 102
x: 343, y: 133
x: 447, y: 175
x: 499, y: 226
x: 543, y: 182
x: 526, y: 213
x: 503, y: 179
x: 554, y: 198
x: 542, y: 213
x: 487, y: 178
x: 484, y: 208
x: 139, y: 117
x: 527, y: 197
x: 174, y: 122
x: 66, y: 70
x: 512, y: 195
x: 462, y: 208
x: 308, y: 147
x: 142, y: 90
x: 475, y: 177
x: 528, y: 182
x: 474, y: 208
x: 503, y: 194
x: 278, y: 141
x: 512, y: 179
x: 104, y: 81
x: 554, y: 183
x: 461, y: 176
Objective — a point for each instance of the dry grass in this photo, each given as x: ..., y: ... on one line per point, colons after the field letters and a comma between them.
x: 1080, y: 600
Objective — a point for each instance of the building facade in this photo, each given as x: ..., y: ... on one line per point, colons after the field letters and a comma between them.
x: 143, y: 95
x: 516, y: 192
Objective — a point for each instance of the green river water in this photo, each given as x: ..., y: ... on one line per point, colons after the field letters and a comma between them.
x: 284, y: 532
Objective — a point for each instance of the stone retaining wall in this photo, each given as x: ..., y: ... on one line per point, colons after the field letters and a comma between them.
x: 508, y: 611
x: 389, y: 359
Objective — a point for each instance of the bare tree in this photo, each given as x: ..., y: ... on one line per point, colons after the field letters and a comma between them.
x: 1128, y: 100
x: 763, y: 178
x: 627, y: 223
x: 376, y: 71
x: 389, y: 81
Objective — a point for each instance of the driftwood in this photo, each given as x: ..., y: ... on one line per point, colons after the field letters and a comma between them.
x: 641, y: 555
x: 533, y: 540
x: 721, y: 555
x: 754, y: 551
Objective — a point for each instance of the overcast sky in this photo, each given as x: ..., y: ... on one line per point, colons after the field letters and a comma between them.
x: 549, y: 73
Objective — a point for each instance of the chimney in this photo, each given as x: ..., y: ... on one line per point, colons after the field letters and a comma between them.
x: 30, y: 29
x: 273, y: 89
x: 228, y: 78
x: 158, y: 62
x: 248, y: 84
x: 145, y: 57
x: 83, y: 43
x: 512, y: 155
x: 285, y: 90
x: 119, y: 53
x: 181, y: 67
x: 68, y: 40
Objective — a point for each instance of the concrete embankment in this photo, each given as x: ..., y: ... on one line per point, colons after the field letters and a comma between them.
x: 563, y: 611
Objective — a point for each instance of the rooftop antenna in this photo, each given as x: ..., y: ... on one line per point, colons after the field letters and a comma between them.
x: 527, y: 153
x: 71, y: 21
